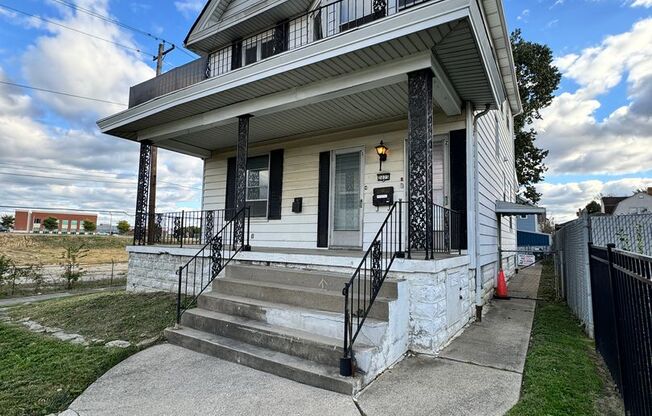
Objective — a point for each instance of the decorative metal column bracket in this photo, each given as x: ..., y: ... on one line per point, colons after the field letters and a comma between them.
x: 420, y: 131
x: 142, y: 196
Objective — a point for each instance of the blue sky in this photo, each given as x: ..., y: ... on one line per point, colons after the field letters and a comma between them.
x: 597, y: 130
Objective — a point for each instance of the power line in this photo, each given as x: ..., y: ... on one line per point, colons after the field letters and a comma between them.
x: 80, y: 175
x: 67, y: 94
x: 119, y: 23
x: 85, y: 179
x: 75, y: 30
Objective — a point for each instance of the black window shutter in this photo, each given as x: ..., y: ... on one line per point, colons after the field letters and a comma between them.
x: 323, y: 198
x: 275, y: 184
x: 236, y: 54
x: 458, y: 178
x: 230, y: 188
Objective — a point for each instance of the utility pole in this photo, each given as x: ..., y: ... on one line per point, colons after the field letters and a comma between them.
x: 151, y: 218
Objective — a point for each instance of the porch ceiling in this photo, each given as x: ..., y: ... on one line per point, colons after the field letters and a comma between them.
x: 364, y: 108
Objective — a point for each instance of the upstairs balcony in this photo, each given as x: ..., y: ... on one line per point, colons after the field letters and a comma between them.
x: 316, y: 25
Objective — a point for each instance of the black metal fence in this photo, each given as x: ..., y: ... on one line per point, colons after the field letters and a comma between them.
x: 361, y: 290
x: 621, y: 287
x: 188, y: 227
x: 447, y: 230
x: 200, y: 271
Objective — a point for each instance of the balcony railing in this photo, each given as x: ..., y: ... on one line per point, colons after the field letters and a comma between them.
x: 317, y: 24
x: 184, y: 228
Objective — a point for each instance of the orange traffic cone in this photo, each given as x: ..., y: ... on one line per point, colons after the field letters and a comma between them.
x: 501, y: 287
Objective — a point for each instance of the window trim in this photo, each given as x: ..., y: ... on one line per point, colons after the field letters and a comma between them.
x: 266, y: 200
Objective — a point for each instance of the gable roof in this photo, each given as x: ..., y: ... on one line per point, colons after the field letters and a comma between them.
x: 212, y: 9
x: 609, y: 203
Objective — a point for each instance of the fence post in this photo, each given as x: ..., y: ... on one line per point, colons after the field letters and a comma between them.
x: 616, y: 316
x: 182, y: 231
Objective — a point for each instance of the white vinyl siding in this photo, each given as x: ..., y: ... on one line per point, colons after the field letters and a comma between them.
x: 496, y: 177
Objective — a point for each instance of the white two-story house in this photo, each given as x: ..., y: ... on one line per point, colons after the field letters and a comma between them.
x: 359, y: 181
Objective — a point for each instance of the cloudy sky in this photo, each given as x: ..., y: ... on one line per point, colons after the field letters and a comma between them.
x: 598, y: 129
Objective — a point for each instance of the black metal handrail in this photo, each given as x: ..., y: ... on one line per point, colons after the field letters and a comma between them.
x: 361, y: 290
x: 200, y: 271
x: 447, y: 230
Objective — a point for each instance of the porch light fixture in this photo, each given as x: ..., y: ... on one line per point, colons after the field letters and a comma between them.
x: 381, y: 150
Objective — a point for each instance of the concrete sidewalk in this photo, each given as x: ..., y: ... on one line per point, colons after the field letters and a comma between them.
x: 479, y: 373
x: 59, y: 295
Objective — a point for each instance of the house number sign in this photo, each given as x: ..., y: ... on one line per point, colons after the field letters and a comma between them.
x: 383, y: 176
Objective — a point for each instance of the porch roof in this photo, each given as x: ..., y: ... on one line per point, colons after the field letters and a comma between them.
x: 513, y: 208
x: 202, y: 117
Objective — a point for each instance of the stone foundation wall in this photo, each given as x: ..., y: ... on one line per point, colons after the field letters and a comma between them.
x: 149, y: 272
x: 440, y: 305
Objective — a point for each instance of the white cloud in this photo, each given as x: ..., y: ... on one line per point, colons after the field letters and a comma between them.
x: 642, y: 3
x: 565, y: 199
x: 620, y: 143
x: 103, y: 168
x: 189, y: 8
x: 83, y: 65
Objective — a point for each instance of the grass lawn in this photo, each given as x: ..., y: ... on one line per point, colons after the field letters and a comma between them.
x: 47, y: 249
x: 28, y: 289
x: 563, y: 375
x: 41, y: 375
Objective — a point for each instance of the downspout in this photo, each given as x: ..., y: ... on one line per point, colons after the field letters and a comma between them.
x: 475, y: 260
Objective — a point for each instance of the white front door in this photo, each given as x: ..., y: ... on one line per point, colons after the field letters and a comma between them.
x: 346, y: 201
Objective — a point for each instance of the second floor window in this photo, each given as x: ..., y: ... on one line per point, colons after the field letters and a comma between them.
x: 258, y: 47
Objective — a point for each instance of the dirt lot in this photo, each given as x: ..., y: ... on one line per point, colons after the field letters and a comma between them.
x: 47, y: 249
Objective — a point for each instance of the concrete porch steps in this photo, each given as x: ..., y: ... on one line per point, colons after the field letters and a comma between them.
x: 285, y: 321
x: 284, y: 365
x: 303, y: 278
x: 302, y: 344
x: 306, y: 297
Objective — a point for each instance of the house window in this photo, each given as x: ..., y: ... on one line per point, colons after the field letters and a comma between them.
x: 258, y: 185
x: 258, y: 47
x: 523, y: 216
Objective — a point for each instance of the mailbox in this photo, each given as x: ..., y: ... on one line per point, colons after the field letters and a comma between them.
x: 383, y: 197
x: 297, y: 205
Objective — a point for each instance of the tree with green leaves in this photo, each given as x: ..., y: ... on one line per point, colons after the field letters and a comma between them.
x: 89, y: 226
x: 7, y: 221
x: 123, y: 227
x: 538, y: 79
x: 593, y: 207
x: 51, y: 223
x: 72, y: 270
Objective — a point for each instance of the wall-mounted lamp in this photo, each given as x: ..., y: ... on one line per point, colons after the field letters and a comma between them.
x: 381, y: 150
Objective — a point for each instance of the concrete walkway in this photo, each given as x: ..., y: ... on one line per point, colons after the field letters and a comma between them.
x: 50, y: 296
x: 478, y: 374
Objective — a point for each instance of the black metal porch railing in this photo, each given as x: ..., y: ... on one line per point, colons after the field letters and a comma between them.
x: 319, y: 23
x: 200, y: 271
x: 446, y: 230
x: 621, y: 294
x: 361, y: 290
x: 187, y: 227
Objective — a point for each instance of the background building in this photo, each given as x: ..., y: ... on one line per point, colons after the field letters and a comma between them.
x: 31, y: 221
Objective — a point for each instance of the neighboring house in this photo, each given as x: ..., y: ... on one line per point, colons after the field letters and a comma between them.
x: 639, y: 203
x: 609, y: 203
x: 343, y: 143
x: 528, y: 222
x: 69, y: 222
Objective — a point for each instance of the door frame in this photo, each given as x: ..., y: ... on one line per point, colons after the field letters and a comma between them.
x: 331, y: 192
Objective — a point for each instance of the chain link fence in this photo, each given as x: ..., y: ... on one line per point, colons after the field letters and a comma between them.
x: 570, y: 243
